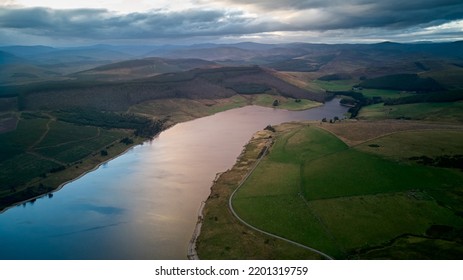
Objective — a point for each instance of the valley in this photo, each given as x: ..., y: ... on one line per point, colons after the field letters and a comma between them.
x: 394, y: 159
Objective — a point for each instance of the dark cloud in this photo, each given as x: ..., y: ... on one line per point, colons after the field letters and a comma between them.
x: 397, y: 5
x: 101, y: 24
x: 342, y: 14
x: 323, y: 16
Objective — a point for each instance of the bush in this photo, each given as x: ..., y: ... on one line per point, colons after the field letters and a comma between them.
x: 270, y: 128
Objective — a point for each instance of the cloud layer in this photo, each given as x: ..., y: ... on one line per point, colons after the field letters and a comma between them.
x: 348, y: 19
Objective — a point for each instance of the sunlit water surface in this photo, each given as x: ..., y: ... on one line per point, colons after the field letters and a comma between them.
x: 143, y: 204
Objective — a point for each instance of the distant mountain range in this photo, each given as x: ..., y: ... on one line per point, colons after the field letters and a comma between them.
x: 146, y: 72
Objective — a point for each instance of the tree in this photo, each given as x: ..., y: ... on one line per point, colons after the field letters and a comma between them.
x: 276, y: 102
x: 270, y: 128
x: 103, y: 153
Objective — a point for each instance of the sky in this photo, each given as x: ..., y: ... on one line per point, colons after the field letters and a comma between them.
x: 83, y: 22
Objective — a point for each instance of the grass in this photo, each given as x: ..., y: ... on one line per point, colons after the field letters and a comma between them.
x: 61, y: 132
x: 415, y: 247
x: 42, y: 153
x: 448, y: 112
x: 15, y: 142
x: 352, y: 172
x: 403, y: 145
x: 222, y: 236
x: 72, y: 152
x: 357, y: 203
x: 70, y: 146
x: 287, y: 216
x: 384, y: 93
x: 21, y: 169
x: 364, y: 221
x: 340, y: 85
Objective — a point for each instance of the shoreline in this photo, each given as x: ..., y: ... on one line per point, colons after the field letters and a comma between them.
x: 192, y: 254
x: 60, y: 186
x: 223, y: 228
x: 192, y: 246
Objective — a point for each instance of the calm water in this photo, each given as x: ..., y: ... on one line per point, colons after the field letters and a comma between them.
x: 143, y: 204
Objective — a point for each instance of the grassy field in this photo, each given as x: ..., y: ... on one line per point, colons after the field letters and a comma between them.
x: 15, y: 142
x: 42, y: 153
x: 340, y: 85
x: 362, y: 202
x: 449, y: 112
x: 222, y: 236
x: 384, y: 93
x: 400, y: 146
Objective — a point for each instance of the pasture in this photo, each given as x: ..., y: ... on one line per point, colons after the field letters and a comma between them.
x: 448, y: 112
x: 348, y: 202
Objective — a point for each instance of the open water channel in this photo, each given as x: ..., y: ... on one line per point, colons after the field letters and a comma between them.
x: 144, y: 203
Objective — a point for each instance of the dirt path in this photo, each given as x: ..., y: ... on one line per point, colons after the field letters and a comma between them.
x: 46, y: 158
x: 98, y: 133
x: 47, y: 126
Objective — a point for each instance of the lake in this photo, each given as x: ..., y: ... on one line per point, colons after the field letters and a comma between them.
x: 144, y: 203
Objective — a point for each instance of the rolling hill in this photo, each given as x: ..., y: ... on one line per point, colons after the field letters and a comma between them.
x: 193, y: 84
x: 142, y: 68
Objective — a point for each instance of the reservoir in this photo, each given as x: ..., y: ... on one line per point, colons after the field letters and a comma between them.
x: 144, y: 203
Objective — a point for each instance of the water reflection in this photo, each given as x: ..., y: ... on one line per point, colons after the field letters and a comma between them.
x: 141, y: 205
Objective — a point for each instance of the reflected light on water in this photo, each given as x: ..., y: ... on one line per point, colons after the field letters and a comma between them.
x: 143, y: 204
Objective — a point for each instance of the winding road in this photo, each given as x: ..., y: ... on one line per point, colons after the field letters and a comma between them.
x: 230, y: 205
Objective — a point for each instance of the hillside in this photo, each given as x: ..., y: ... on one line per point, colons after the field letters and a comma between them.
x: 193, y: 84
x: 141, y: 68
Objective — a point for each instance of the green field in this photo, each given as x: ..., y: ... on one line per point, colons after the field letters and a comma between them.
x: 15, y: 142
x: 384, y: 93
x: 22, y: 168
x: 42, y: 148
x: 340, y: 85
x: 347, y: 202
x: 222, y: 237
x: 451, y: 111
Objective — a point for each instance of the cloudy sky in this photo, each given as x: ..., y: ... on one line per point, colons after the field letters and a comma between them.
x: 64, y: 22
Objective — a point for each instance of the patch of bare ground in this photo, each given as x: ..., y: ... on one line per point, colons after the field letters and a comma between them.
x: 357, y: 132
x: 222, y: 235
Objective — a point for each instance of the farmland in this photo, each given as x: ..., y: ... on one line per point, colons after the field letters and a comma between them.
x: 363, y: 201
